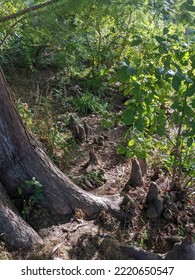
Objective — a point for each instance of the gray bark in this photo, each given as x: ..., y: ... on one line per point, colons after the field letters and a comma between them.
x: 13, y: 229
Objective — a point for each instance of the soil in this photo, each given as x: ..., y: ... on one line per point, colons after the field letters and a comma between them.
x: 78, y: 238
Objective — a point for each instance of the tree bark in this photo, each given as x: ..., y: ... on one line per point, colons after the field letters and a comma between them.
x: 184, y: 250
x: 13, y: 229
x: 21, y: 159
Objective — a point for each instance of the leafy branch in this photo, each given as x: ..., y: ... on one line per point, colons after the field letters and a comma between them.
x: 27, y: 10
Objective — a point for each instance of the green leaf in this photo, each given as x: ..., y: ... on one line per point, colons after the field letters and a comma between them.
x: 186, y: 4
x: 131, y: 142
x: 135, y: 89
x: 121, y: 150
x: 141, y: 154
x: 187, y: 133
x: 113, y: 80
x: 190, y: 91
x: 176, y: 83
x: 122, y: 87
x: 188, y: 111
x: 190, y: 8
x: 112, y: 29
x: 128, y: 116
x: 175, y: 105
x: 165, y: 31
x: 160, y: 130
x: 189, y: 2
x: 160, y: 39
x: 104, y: 72
x: 137, y: 41
x: 140, y: 124
x: 131, y: 70
x: 130, y: 154
x: 174, y: 37
x: 127, y: 91
x: 193, y: 103
x: 123, y: 74
x: 190, y: 142
x: 175, y: 118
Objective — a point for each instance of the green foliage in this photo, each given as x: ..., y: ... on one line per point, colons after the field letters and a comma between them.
x: 109, y: 119
x: 30, y: 201
x: 154, y: 40
x: 67, y: 151
x: 95, y: 178
x: 139, y: 145
x: 25, y: 112
x: 37, y: 188
x: 160, y: 86
x: 49, y: 128
x: 87, y: 103
x: 82, y: 36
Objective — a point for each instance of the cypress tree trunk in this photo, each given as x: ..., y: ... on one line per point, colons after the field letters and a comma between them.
x: 21, y: 159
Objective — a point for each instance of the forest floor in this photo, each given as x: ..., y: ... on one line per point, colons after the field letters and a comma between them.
x: 101, y: 237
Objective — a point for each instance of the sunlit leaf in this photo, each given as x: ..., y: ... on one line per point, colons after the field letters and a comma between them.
x: 131, y: 142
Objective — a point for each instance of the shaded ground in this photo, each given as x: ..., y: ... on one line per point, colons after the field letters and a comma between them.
x: 100, y: 239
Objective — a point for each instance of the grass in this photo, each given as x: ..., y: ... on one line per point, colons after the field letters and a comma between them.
x: 88, y: 103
